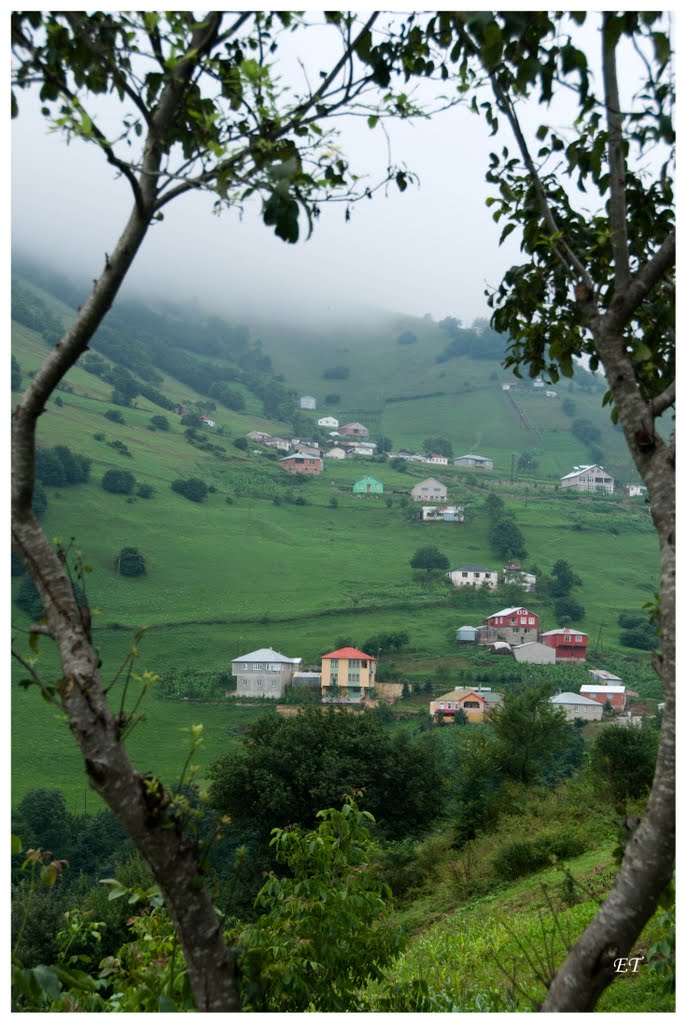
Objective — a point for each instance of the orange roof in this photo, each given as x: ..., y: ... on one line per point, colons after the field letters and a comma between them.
x: 349, y: 652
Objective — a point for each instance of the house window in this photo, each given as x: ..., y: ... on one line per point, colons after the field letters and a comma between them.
x: 259, y: 683
x: 471, y: 704
x: 333, y: 679
x: 363, y: 664
x: 567, y: 639
x: 273, y: 684
x: 464, y: 575
x: 258, y: 667
x: 334, y: 662
x: 448, y: 706
x: 531, y: 620
x: 487, y: 575
x: 578, y: 639
x: 354, y: 663
x: 245, y: 666
x: 441, y: 704
x: 274, y: 668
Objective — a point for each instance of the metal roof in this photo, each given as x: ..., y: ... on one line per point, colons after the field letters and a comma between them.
x: 267, y: 654
x: 572, y: 698
x: 602, y: 689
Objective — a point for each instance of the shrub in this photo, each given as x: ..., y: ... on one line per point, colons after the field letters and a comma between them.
x: 114, y: 415
x: 194, y: 489
x: 241, y: 443
x: 118, y: 481
x: 145, y: 490
x: 160, y: 422
x: 130, y: 562
x: 336, y: 373
x: 523, y: 856
x: 626, y: 758
x: 61, y: 467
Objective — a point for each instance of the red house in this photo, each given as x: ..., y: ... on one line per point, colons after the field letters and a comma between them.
x: 570, y: 644
x: 616, y: 695
x: 299, y: 463
x: 515, y: 625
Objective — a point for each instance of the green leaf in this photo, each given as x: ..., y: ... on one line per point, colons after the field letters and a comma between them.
x: 401, y: 181
x: 16, y: 845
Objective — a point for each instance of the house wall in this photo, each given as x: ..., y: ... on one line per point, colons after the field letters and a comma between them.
x: 429, y: 492
x: 259, y: 681
x: 538, y: 654
x: 351, y: 677
x: 588, y: 712
x: 309, y: 468
x: 460, y: 578
x: 616, y: 700
x: 594, y: 480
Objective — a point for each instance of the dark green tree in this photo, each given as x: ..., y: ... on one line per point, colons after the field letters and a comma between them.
x: 530, y: 732
x: 114, y: 415
x: 429, y: 557
x: 194, y: 488
x: 568, y: 611
x: 563, y: 579
x: 505, y: 537
x: 15, y: 375
x: 438, y: 446
x: 118, y: 481
x: 626, y: 759
x: 160, y: 422
x: 130, y: 562
x: 287, y: 769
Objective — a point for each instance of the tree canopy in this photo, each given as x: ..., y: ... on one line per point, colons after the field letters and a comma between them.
x: 429, y: 557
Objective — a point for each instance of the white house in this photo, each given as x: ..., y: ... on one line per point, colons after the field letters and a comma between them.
x: 443, y: 514
x: 473, y: 576
x: 328, y: 421
x: 526, y: 580
x: 307, y: 402
x: 335, y: 453
x: 263, y: 673
x: 635, y: 490
x: 588, y: 478
x: 438, y: 460
x: 473, y: 462
x: 577, y: 706
x: 208, y: 422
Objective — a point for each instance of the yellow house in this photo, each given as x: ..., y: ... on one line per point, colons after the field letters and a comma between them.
x: 347, y: 674
x: 475, y: 703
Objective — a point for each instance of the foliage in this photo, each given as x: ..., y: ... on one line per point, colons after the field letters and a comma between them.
x: 118, y: 481
x: 325, y: 928
x: 160, y: 422
x: 387, y: 642
x: 15, y: 375
x: 407, y: 337
x: 130, y: 562
x: 438, y: 446
x: 288, y: 768
x: 61, y: 467
x: 114, y: 415
x: 530, y: 732
x: 194, y: 489
x: 336, y: 373
x: 505, y: 538
x: 568, y: 611
x: 429, y: 557
x: 625, y: 758
x: 523, y: 856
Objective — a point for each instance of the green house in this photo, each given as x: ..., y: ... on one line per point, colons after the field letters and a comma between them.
x: 368, y: 485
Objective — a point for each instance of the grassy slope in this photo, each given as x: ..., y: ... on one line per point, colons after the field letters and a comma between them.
x: 224, y: 578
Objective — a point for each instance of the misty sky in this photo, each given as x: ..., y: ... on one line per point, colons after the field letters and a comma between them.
x: 431, y: 249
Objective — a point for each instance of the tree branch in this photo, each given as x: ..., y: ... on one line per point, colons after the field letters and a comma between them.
x: 623, y: 305
x: 661, y: 402
x: 617, y: 213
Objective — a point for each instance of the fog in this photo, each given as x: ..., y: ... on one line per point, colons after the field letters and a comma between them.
x: 432, y: 249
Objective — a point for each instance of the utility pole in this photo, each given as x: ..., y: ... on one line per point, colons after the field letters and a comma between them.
x: 598, y: 639
x: 512, y: 467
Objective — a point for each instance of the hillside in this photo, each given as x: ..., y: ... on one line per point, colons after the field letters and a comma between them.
x: 269, y: 559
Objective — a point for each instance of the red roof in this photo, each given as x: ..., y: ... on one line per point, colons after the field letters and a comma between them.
x: 349, y: 652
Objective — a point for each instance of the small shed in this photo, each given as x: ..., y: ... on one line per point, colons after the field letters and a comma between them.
x: 467, y: 634
x: 307, y: 402
x: 368, y: 485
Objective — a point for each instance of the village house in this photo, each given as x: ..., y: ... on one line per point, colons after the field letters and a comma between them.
x: 365, y: 448
x: 473, y: 462
x: 592, y: 479
x: 616, y: 696
x: 208, y: 422
x: 514, y: 574
x: 307, y: 402
x: 368, y: 485
x: 307, y: 448
x: 282, y: 444
x: 534, y: 653
x: 354, y: 430
x: 551, y: 394
x: 335, y: 453
x: 514, y: 625
x: 429, y: 490
x: 442, y: 514
x: 476, y: 703
x: 258, y: 435
x: 635, y: 490
x: 181, y: 410
x: 577, y: 706
x: 328, y: 421
x: 347, y: 675
x: 570, y: 645
x: 263, y: 673
x: 438, y: 460
x: 310, y: 465
x: 471, y: 575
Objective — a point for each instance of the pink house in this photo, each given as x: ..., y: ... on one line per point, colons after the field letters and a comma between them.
x: 570, y: 644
